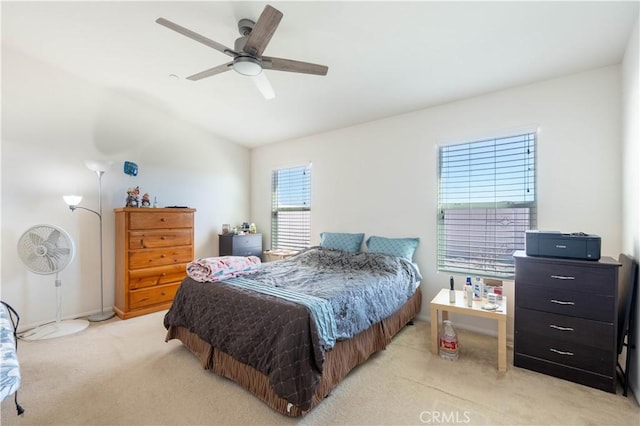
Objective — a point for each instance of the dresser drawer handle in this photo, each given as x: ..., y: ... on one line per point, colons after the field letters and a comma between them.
x: 562, y: 277
x: 560, y: 302
x: 561, y: 352
x: 557, y: 327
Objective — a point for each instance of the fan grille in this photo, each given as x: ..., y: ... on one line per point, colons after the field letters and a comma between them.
x: 45, y: 249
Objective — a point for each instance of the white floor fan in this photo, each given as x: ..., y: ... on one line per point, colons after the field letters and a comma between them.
x: 47, y: 250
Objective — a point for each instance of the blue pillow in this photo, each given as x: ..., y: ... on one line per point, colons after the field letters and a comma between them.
x: 401, y: 247
x: 341, y: 241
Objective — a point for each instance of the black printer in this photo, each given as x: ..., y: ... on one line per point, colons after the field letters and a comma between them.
x: 577, y: 245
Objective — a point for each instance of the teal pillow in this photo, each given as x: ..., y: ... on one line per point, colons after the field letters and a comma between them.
x: 341, y: 241
x: 401, y: 247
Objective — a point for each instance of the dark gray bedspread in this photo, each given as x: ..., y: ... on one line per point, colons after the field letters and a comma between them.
x: 279, y: 338
x: 274, y: 336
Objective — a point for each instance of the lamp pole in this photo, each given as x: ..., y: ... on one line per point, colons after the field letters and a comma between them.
x: 102, y: 315
x: 99, y: 168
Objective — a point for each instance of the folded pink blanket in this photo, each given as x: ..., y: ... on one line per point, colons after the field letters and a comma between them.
x: 220, y: 268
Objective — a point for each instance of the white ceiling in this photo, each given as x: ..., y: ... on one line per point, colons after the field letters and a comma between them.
x: 384, y: 58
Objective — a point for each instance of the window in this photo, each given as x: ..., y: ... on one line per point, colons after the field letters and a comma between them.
x: 291, y: 208
x: 486, y: 202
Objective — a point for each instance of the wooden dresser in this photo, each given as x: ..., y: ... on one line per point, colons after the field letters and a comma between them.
x: 153, y: 247
x: 566, y: 318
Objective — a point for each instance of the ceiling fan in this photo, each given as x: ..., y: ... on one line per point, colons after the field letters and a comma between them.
x: 247, y: 51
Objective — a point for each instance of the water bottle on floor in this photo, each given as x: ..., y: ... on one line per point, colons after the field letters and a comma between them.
x: 448, y: 341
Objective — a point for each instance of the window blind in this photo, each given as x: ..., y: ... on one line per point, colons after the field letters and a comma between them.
x: 486, y: 202
x: 291, y: 208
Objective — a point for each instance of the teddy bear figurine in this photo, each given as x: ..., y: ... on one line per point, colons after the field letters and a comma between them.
x: 132, y: 197
x: 145, y: 200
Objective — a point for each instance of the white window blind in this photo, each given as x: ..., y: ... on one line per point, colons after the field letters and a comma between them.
x: 291, y: 208
x: 486, y: 202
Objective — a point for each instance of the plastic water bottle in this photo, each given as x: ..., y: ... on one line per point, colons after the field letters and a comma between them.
x: 468, y: 291
x: 478, y: 289
x: 467, y: 284
x: 448, y: 341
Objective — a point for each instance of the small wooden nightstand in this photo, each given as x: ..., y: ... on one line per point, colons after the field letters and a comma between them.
x: 271, y: 255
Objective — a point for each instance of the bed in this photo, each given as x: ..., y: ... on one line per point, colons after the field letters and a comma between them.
x: 289, y: 331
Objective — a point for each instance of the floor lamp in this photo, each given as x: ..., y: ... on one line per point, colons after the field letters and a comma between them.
x: 73, y: 200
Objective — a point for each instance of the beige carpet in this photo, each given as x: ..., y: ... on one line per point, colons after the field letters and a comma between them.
x: 123, y: 373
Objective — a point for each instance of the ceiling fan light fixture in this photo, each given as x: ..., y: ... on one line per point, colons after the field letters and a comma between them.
x: 247, y: 66
x: 247, y: 54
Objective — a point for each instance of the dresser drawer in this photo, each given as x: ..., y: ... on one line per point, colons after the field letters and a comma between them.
x: 152, y: 296
x: 159, y: 220
x: 605, y: 382
x: 580, y: 331
x: 251, y: 240
x: 247, y: 251
x: 140, y: 278
x: 565, y: 302
x: 160, y: 257
x: 565, y: 276
x: 565, y: 352
x: 160, y: 238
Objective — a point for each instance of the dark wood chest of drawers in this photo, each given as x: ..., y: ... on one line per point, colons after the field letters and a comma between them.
x: 241, y: 245
x: 566, y: 318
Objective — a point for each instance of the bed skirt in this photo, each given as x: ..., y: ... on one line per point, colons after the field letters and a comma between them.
x: 345, y: 355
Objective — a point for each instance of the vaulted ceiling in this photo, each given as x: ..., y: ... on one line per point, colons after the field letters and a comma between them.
x: 384, y: 58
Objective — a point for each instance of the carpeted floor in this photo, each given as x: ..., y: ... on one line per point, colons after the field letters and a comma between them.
x: 123, y: 373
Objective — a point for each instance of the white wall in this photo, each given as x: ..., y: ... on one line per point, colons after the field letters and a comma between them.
x: 52, y: 122
x: 380, y: 177
x: 631, y: 179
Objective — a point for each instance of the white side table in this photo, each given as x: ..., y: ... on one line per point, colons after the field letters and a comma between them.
x: 271, y: 255
x: 441, y: 303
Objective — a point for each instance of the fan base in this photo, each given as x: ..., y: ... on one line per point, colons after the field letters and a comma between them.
x: 103, y: 316
x: 57, y: 329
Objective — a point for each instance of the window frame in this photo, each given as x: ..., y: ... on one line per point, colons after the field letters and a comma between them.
x: 492, y: 256
x: 297, y: 233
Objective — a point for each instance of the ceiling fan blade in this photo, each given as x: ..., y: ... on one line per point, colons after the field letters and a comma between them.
x: 211, y: 71
x: 263, y: 31
x: 197, y: 37
x: 264, y: 86
x: 280, y: 64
